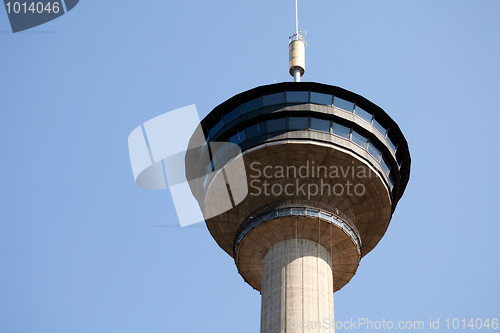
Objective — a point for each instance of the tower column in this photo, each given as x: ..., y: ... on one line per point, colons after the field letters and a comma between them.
x: 297, y: 288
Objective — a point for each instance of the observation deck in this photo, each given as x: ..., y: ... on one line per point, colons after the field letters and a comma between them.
x: 280, y: 129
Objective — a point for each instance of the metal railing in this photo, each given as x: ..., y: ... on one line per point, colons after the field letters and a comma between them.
x: 294, y: 210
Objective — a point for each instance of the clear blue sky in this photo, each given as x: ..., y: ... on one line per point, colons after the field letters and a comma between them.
x: 77, y: 250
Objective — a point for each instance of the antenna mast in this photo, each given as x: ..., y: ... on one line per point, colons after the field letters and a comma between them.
x: 296, y: 19
x: 297, y: 52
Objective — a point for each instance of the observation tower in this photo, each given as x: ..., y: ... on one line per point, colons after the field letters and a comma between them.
x: 325, y: 169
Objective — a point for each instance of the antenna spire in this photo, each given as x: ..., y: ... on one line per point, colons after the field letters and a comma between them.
x: 296, y: 19
x: 297, y: 52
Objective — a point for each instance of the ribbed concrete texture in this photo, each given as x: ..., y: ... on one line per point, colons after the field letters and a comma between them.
x: 297, y: 288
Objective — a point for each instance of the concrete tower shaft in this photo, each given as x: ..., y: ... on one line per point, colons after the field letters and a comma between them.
x: 296, y: 287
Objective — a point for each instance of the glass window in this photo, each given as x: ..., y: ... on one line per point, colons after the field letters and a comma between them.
x: 281, y: 213
x: 255, y: 130
x: 296, y: 123
x: 231, y: 115
x: 325, y: 216
x: 392, y: 181
x: 363, y: 114
x: 297, y: 96
x: 392, y: 141
x: 343, y: 104
x: 336, y: 221
x: 341, y: 130
x: 297, y: 211
x: 312, y: 213
x: 359, y: 139
x: 252, y: 105
x: 378, y: 125
x: 374, y: 151
x: 237, y: 138
x: 276, y: 125
x: 214, y: 129
x: 320, y: 124
x: 385, y: 164
x: 320, y: 98
x: 272, y: 99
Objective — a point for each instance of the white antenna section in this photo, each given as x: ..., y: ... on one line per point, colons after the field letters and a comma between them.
x: 297, y: 50
x: 296, y: 19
